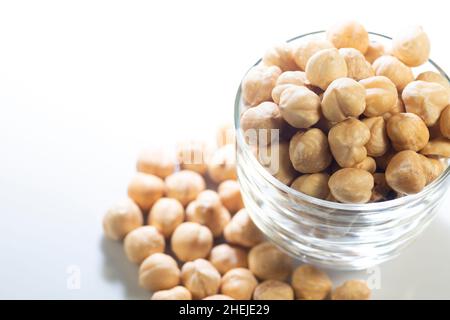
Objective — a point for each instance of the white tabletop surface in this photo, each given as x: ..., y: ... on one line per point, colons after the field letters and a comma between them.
x: 85, y: 85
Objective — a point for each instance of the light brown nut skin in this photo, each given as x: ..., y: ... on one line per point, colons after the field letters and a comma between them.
x: 437, y: 147
x: 191, y: 241
x: 193, y: 155
x: 310, y: 283
x: 374, y: 51
x: 367, y: 164
x: 184, y: 186
x: 358, y: 67
x: 258, y: 84
x: 218, y: 297
x: 299, y: 106
x: 393, y: 69
x: 444, y: 122
x: 381, y: 95
x: 230, y: 195
x: 352, y: 290
x: 143, y: 242
x: 158, y: 162
x: 213, y: 217
x: 407, y: 131
x: 381, y: 189
x: 200, y: 278
x: 309, y: 151
x: 257, y: 123
x: 350, y: 185
x: 411, y: 46
x: 122, y: 218
x: 145, y: 189
x: 324, y: 67
x: 242, y: 231
x: 314, y: 185
x: 269, y: 263
x: 159, y: 272
x: 292, y: 77
x: 431, y: 76
x: 239, y: 284
x: 426, y: 99
x: 225, y: 134
x: 273, y: 290
x: 177, y: 293
x: 378, y: 143
x: 222, y: 165
x: 433, y: 168
x: 349, y: 34
x: 225, y: 257
x: 399, y: 107
x: 165, y: 215
x: 307, y: 49
x: 275, y: 159
x: 347, y: 140
x: 343, y: 98
x: 282, y: 56
x: 278, y: 91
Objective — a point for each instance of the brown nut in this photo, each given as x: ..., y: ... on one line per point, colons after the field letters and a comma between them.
x: 393, y: 69
x: 268, y: 263
x: 225, y: 134
x: 310, y: 283
x: 349, y: 34
x: 374, y: 51
x: 399, y: 107
x: 407, y: 132
x: 258, y: 84
x: 143, y: 242
x: 309, y: 151
x: 439, y: 147
x: 280, y: 55
x: 343, y: 98
x: 299, y: 106
x: 225, y: 257
x: 324, y: 67
x: 431, y: 76
x: 285, y: 80
x: 159, y: 272
x: 177, y: 293
x: 307, y: 49
x: 122, y: 218
x: 381, y: 189
x: 347, y: 140
x: 238, y: 283
x: 367, y: 164
x: 378, y: 143
x: 222, y: 165
x: 433, y: 168
x: 218, y: 297
x: 357, y: 66
x: 230, y: 195
x: 156, y: 161
x: 411, y: 46
x: 350, y: 185
x: 314, y: 185
x: 444, y: 122
x: 278, y: 91
x: 200, y: 278
x: 192, y: 155
x: 184, y: 186
x: 191, y: 241
x: 273, y: 290
x: 145, y: 189
x: 381, y: 95
x: 242, y: 231
x: 165, y: 215
x: 352, y: 290
x: 426, y: 99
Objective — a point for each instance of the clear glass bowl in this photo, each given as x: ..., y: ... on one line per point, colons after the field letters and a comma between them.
x: 329, y: 234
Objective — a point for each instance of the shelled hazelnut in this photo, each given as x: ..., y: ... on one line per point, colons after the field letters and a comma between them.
x: 122, y: 218
x: 145, y: 189
x: 351, y: 290
x: 200, y: 278
x: 184, y: 186
x: 226, y: 257
x: 238, y: 283
x: 273, y: 290
x: 143, y: 242
x: 191, y: 241
x: 310, y: 283
x: 269, y: 263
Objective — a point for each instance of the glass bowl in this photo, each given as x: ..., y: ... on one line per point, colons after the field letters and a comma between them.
x: 329, y: 234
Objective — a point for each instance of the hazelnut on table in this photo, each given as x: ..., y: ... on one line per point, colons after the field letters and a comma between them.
x: 230, y: 195
x: 165, y: 215
x: 191, y: 241
x: 352, y: 290
x: 176, y: 293
x: 159, y: 272
x: 200, y: 278
x: 143, y: 242
x: 273, y: 290
x: 156, y: 161
x: 145, y: 189
x: 310, y: 283
x: 267, y: 262
x: 184, y: 186
x: 122, y: 218
x: 225, y: 257
x: 238, y: 283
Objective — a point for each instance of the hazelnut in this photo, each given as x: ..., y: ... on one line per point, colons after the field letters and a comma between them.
x: 258, y: 84
x: 407, y: 132
x: 267, y: 262
x: 218, y: 297
x: 156, y: 161
x: 426, y: 99
x: 314, y: 185
x: 444, y: 122
x: 432, y: 168
x: 343, y: 98
x: 281, y: 56
x: 225, y: 135
x: 159, y: 272
x: 273, y: 290
x: 393, y: 69
x: 200, y: 278
x: 378, y: 143
x: 176, y: 293
x: 324, y: 67
x: 230, y: 195
x: 411, y: 46
x: 292, y: 77
x: 381, y: 95
x: 238, y: 283
x: 381, y: 189
x: 307, y: 49
x: 351, y: 290
x: 367, y: 164
x: 242, y: 231
x: 439, y: 147
x: 145, y: 189
x: 122, y: 218
x: 374, y: 51
x: 309, y: 151
x: 191, y: 241
x: 299, y: 106
x: 184, y: 186
x: 351, y: 185
x: 278, y: 91
x: 357, y: 66
x: 165, y: 215
x: 143, y: 242
x: 347, y: 140
x: 431, y: 76
x: 193, y: 155
x: 310, y: 283
x: 225, y: 257
x: 349, y: 34
x: 275, y: 159
x: 399, y: 107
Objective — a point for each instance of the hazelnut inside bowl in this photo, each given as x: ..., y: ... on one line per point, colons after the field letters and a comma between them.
x: 347, y: 236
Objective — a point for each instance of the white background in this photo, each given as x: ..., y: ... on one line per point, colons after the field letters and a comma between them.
x: 84, y: 85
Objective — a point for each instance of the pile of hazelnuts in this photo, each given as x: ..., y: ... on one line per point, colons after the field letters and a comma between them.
x: 216, y: 252
x: 353, y: 122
